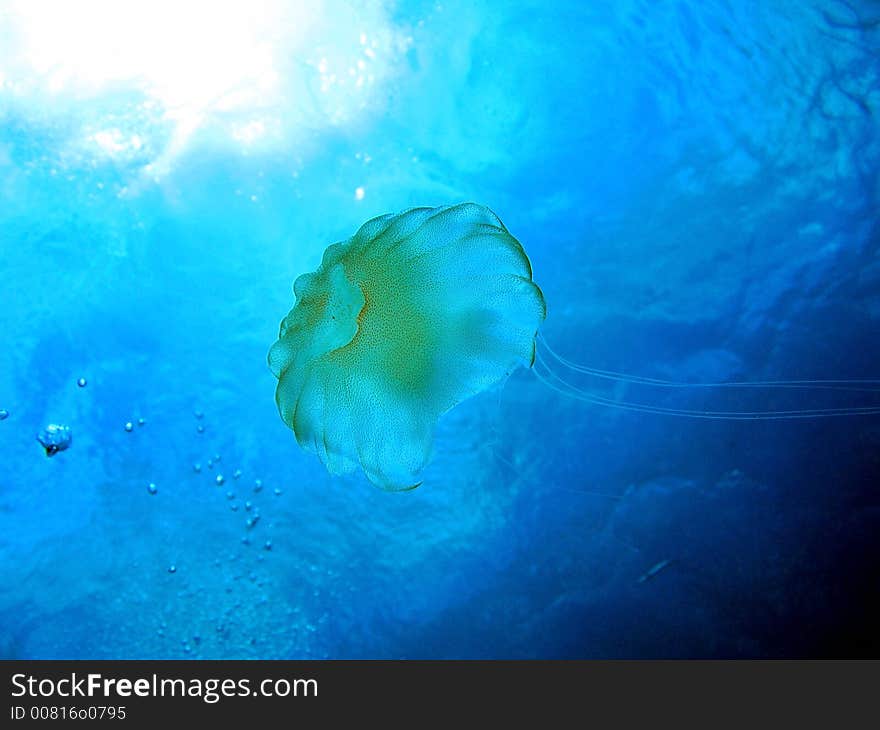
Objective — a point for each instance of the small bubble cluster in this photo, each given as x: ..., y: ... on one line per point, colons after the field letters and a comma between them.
x: 251, y: 510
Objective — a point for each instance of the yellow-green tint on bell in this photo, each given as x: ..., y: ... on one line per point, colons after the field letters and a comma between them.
x: 407, y: 318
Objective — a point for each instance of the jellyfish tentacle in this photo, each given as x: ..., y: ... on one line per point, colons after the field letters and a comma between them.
x: 866, y: 385
x: 549, y: 377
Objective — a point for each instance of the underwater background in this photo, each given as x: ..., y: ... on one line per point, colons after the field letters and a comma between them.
x: 696, y: 184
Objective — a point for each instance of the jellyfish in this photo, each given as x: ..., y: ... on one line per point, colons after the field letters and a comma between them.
x: 417, y: 312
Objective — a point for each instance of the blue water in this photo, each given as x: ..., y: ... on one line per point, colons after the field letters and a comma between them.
x: 696, y: 184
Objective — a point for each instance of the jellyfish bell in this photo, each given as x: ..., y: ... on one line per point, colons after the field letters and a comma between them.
x: 417, y: 312
x: 407, y: 318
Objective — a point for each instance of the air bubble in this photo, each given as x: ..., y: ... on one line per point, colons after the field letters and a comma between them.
x: 55, y: 438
